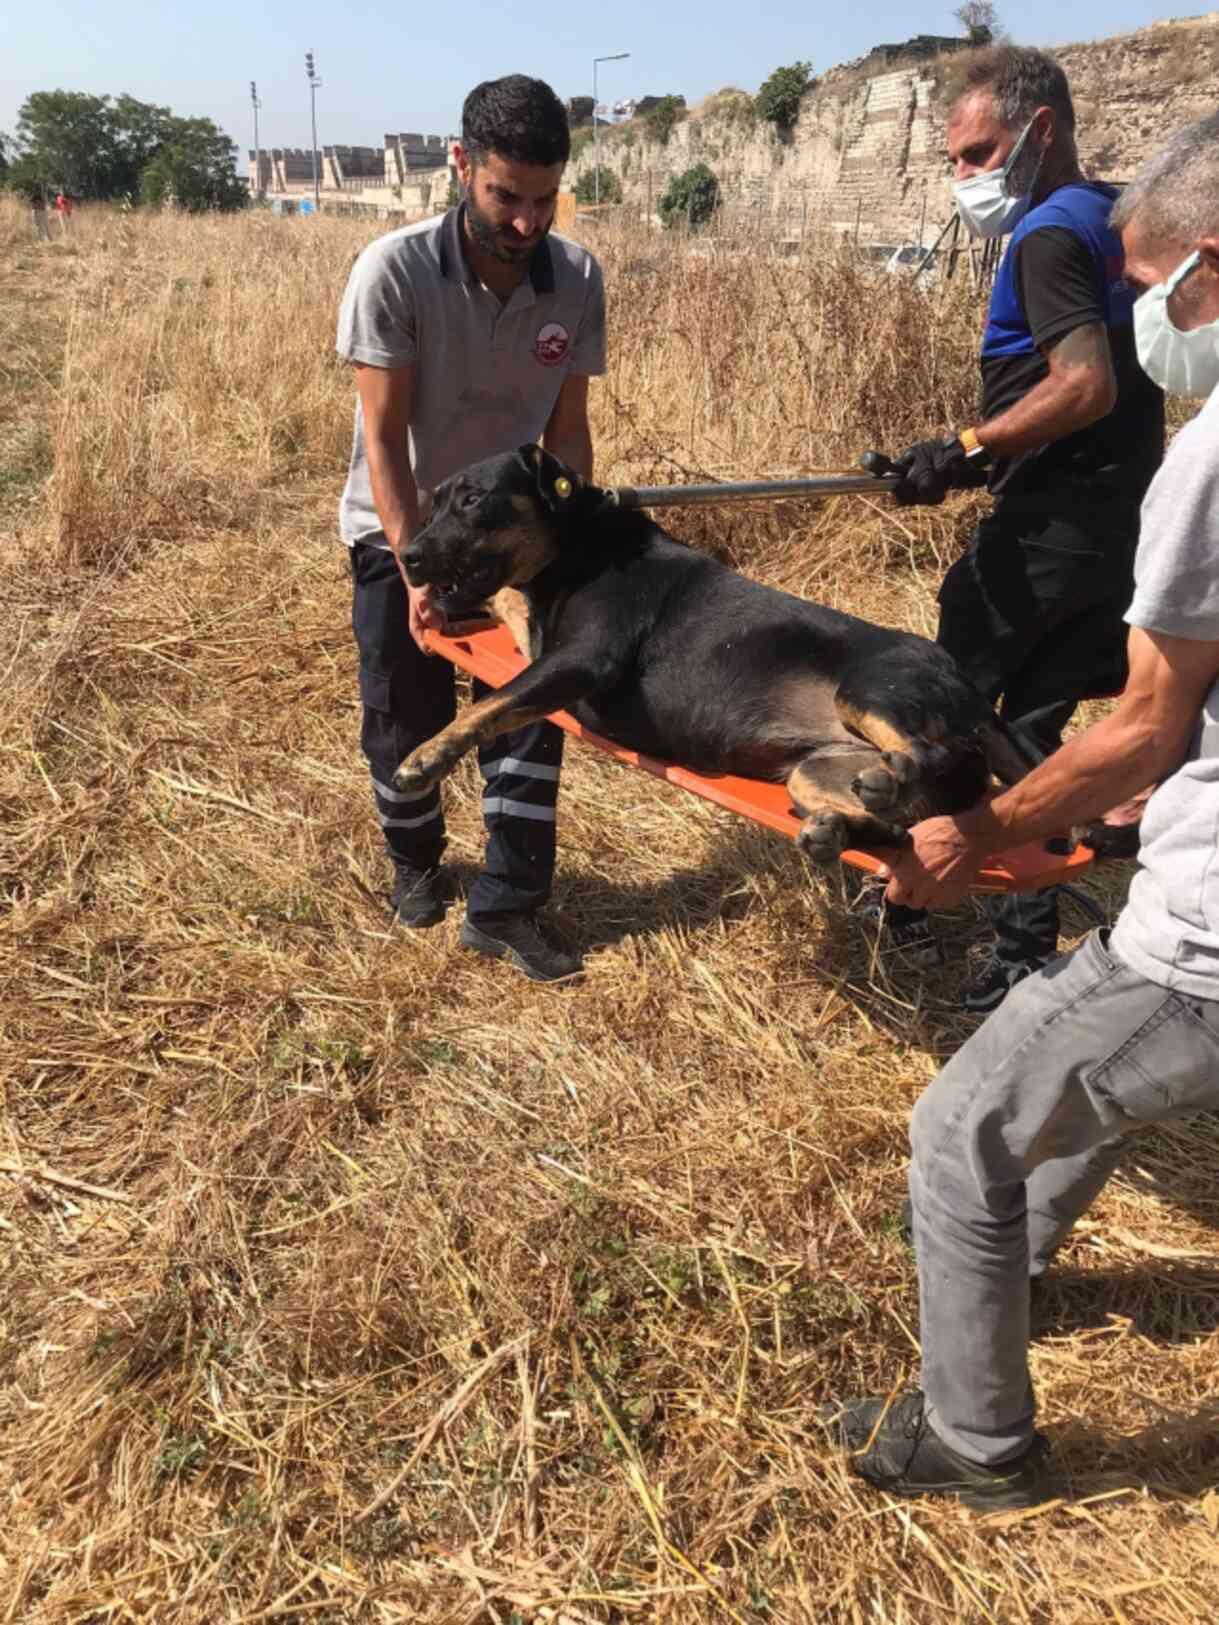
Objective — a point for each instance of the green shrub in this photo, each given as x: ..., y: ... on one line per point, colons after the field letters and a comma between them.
x: 581, y: 141
x: 610, y: 188
x: 690, y: 198
x: 778, y: 101
x: 660, y: 122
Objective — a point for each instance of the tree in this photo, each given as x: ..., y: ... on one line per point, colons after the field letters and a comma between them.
x: 778, y: 101
x: 609, y: 188
x: 68, y: 138
x: 660, y: 120
x: 690, y: 198
x: 105, y: 147
x: 194, y: 169
x: 980, y: 20
x: 142, y: 131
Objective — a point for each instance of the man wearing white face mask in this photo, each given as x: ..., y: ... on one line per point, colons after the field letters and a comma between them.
x: 1020, y: 1131
x: 1069, y: 437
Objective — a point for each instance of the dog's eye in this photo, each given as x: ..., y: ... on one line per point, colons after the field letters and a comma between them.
x: 471, y: 499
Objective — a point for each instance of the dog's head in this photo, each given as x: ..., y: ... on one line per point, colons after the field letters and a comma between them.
x: 496, y: 524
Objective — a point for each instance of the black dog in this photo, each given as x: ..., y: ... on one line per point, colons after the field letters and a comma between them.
x: 668, y: 651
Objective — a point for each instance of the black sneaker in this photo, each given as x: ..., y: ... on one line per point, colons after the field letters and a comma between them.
x: 912, y: 941
x: 419, y: 897
x: 994, y: 981
x: 516, y: 938
x: 905, y: 931
x: 903, y: 1456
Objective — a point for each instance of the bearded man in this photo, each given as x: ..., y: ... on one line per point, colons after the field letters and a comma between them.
x: 470, y: 335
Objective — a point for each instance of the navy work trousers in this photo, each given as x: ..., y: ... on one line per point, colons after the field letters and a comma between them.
x: 407, y: 697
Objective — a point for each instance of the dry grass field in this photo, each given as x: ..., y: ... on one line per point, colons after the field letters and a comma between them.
x: 347, y: 1277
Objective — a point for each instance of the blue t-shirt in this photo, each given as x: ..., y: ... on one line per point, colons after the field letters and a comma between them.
x: 1063, y: 269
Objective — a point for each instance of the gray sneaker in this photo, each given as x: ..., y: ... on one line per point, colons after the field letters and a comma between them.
x: 516, y: 938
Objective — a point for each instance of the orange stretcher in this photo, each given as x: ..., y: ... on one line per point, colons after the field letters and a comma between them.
x: 488, y: 652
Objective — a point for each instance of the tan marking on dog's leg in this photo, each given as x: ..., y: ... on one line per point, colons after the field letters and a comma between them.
x: 436, y: 758
x: 828, y: 791
x: 511, y: 608
x: 835, y: 818
x: 876, y: 730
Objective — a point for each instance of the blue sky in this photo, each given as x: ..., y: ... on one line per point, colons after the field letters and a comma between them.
x: 383, y: 70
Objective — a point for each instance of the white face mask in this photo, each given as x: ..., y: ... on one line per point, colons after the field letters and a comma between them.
x: 1182, y: 363
x: 984, y: 202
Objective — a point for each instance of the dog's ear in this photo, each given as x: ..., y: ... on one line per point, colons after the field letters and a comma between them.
x: 555, y: 483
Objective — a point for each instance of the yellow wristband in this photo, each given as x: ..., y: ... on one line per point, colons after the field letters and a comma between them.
x: 969, y: 440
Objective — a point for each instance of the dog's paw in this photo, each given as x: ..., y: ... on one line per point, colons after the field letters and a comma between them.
x: 885, y: 786
x: 824, y: 837
x: 904, y: 768
x: 422, y: 769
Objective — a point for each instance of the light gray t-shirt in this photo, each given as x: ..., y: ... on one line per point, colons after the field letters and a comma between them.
x: 487, y: 375
x: 1169, y: 929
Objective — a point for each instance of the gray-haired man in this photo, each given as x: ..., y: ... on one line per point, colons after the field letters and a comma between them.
x: 1020, y: 1131
x: 1069, y: 435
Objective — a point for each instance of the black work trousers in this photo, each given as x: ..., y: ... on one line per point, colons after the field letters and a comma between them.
x: 407, y: 697
x: 1033, y: 615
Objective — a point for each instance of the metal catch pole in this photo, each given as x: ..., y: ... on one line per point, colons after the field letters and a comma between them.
x: 693, y: 496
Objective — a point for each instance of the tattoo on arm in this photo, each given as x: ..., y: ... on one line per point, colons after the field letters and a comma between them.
x: 1083, y: 347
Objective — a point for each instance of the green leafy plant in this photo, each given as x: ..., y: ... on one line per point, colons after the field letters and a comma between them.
x: 690, y: 198
x: 662, y: 119
x: 778, y: 101
x: 609, y: 190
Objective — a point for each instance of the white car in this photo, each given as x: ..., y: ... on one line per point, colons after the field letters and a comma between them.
x: 911, y: 258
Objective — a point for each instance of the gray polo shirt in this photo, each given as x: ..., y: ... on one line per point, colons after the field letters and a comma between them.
x: 487, y: 375
x: 1169, y: 929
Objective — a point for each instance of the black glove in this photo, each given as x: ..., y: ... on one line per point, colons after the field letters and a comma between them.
x: 929, y: 469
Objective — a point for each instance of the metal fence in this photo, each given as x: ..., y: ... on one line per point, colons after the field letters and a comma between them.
x: 908, y: 242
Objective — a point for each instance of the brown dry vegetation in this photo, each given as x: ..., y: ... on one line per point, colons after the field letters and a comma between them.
x: 391, y: 1287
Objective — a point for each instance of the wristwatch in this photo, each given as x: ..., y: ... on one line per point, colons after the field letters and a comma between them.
x: 970, y: 443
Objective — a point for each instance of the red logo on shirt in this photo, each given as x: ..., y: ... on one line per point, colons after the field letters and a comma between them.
x: 552, y: 344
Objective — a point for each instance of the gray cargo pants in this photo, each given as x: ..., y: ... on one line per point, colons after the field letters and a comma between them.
x: 1011, y: 1143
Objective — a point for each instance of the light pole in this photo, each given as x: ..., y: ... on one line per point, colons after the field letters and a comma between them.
x: 315, y: 84
x: 256, y: 104
x: 618, y: 56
